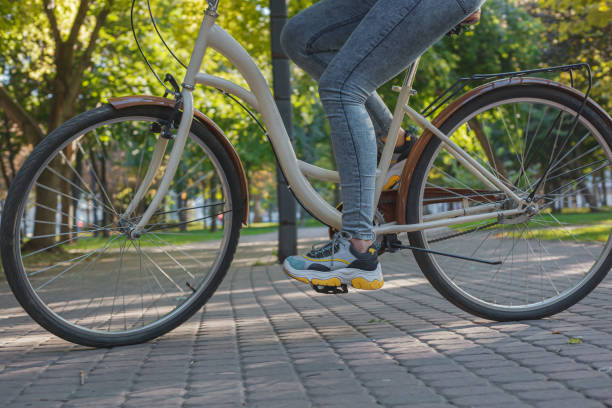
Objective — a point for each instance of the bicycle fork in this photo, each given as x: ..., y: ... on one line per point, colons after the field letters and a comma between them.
x: 210, y: 16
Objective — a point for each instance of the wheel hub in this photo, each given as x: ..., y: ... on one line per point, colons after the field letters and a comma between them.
x: 531, y: 210
x: 128, y: 229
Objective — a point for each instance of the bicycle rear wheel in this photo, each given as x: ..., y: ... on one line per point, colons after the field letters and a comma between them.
x: 66, y: 250
x: 549, y: 260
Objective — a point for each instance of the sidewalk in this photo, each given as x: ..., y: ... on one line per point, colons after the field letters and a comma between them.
x: 266, y: 341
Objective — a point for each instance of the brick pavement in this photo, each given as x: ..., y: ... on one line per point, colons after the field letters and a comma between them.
x: 266, y: 341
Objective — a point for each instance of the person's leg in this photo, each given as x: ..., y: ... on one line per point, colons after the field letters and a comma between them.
x: 313, y: 37
x: 391, y: 35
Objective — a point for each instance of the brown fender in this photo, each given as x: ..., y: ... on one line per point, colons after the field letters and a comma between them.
x: 136, y: 100
x: 422, y: 141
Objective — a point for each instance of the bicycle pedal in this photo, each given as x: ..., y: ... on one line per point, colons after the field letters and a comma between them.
x: 330, y: 290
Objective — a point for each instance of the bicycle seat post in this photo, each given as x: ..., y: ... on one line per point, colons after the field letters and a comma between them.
x: 398, y: 115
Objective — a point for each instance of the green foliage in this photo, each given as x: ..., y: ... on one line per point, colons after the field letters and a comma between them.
x: 579, y: 31
x: 512, y: 35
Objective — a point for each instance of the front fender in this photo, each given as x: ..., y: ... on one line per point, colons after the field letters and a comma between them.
x: 134, y: 100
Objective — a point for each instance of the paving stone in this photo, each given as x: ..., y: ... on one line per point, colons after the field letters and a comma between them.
x: 599, y: 393
x: 573, y: 375
x: 453, y: 392
x: 570, y: 403
x: 414, y: 395
x: 493, y: 399
x: 425, y: 405
x: 266, y: 341
x: 547, y: 394
x: 464, y: 381
x: 515, y: 377
x: 531, y: 385
x: 601, y: 381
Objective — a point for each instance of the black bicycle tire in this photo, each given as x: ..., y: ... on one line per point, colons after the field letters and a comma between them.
x: 13, y: 209
x: 424, y: 260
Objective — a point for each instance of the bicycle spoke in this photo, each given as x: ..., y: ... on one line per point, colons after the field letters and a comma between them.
x: 162, y: 271
x: 70, y: 267
x: 61, y: 263
x: 59, y: 234
x: 180, y: 265
x: 88, y: 194
x: 96, y: 280
x: 155, y: 235
x: 95, y: 175
x: 50, y: 247
x: 63, y: 213
x: 516, y: 153
x: 543, y: 257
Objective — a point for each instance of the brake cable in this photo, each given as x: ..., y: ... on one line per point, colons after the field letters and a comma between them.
x: 169, y: 78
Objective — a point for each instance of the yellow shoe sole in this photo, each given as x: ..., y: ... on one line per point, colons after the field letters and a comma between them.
x: 357, y: 282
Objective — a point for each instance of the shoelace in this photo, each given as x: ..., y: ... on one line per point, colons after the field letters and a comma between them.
x: 329, y: 246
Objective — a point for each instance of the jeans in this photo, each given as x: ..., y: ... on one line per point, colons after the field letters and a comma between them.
x: 352, y: 47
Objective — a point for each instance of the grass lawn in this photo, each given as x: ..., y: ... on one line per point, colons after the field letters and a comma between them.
x: 575, y: 224
x: 192, y: 235
x: 584, y: 226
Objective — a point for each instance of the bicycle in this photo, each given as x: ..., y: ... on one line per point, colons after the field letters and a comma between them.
x: 92, y: 226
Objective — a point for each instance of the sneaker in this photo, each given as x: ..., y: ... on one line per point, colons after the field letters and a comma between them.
x: 394, y: 175
x: 400, y: 152
x: 398, y: 160
x: 337, y: 262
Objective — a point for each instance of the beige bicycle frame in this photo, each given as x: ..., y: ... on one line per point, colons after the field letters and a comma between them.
x: 296, y: 171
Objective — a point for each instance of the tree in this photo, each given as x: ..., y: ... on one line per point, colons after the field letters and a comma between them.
x: 579, y: 31
x: 64, y: 56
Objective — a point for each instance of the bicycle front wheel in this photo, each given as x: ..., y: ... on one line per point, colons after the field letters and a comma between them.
x: 66, y: 247
x: 550, y: 259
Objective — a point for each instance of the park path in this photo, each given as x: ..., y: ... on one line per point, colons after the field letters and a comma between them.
x: 264, y: 340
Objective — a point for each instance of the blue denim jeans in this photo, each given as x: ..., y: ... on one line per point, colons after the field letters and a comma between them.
x: 352, y: 47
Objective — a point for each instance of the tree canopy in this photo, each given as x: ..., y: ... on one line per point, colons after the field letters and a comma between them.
x: 61, y: 57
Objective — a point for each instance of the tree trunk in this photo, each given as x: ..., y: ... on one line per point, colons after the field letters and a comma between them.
x: 67, y: 203
x: 588, y: 194
x: 106, y: 216
x: 604, y: 189
x: 76, y: 193
x: 257, y: 207
x: 303, y: 216
x: 182, y: 215
x: 5, y: 174
x: 93, y: 186
x: 45, y: 212
x: 44, y: 218
x: 67, y: 211
x: 596, y: 191
x: 557, y: 203
x: 211, y: 210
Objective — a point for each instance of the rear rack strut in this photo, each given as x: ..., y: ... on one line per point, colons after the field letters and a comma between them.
x: 457, y: 87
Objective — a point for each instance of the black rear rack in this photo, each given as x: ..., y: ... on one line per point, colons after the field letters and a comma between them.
x: 459, y: 85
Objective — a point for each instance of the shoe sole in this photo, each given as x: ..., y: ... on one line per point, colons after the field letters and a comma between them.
x: 357, y: 278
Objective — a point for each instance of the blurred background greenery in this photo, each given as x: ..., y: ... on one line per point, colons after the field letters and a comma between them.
x: 59, y: 58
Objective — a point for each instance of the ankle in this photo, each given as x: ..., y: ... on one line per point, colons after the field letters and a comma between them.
x: 361, y: 245
x: 401, y: 138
